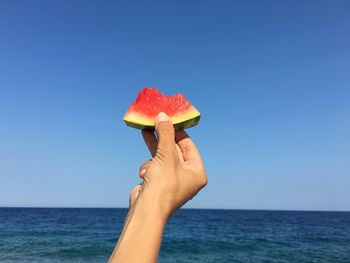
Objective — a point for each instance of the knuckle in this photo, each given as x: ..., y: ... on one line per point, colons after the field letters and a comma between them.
x: 161, y: 154
x: 203, y: 181
x: 144, y: 166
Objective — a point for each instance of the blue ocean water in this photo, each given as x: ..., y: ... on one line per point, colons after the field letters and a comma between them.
x: 192, y: 235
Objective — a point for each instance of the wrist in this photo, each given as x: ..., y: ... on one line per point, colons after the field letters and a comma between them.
x: 151, y: 204
x: 142, y: 233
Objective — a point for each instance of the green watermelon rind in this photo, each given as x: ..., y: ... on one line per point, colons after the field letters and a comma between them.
x: 177, y: 126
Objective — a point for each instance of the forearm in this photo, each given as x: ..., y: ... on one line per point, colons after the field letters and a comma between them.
x: 142, y: 234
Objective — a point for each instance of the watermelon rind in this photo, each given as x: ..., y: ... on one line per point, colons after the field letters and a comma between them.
x: 177, y: 126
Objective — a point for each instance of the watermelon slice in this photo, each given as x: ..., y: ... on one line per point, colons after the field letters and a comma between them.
x: 149, y: 102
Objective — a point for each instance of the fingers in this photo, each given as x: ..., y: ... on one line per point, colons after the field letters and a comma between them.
x: 134, y: 194
x: 179, y: 153
x: 143, y: 169
x: 166, y: 136
x: 188, y: 148
x: 151, y: 141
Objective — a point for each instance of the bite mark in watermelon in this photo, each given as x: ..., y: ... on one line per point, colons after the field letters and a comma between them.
x: 149, y: 102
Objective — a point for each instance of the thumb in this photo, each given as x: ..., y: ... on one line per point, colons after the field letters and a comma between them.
x: 166, y: 136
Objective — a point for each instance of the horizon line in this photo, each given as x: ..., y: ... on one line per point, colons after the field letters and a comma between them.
x: 184, y: 208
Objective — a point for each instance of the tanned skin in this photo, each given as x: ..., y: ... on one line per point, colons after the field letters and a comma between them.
x: 173, y: 176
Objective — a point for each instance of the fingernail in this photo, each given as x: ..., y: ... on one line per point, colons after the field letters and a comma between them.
x: 162, y: 117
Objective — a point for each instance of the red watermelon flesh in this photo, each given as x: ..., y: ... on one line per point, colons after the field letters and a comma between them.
x: 149, y: 102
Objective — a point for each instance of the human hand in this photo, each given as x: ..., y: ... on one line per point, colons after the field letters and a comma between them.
x: 176, y: 172
x: 173, y: 176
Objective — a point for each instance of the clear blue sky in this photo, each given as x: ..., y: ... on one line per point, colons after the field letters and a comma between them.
x: 271, y: 79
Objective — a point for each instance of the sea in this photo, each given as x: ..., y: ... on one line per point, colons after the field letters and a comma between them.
x: 192, y: 235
